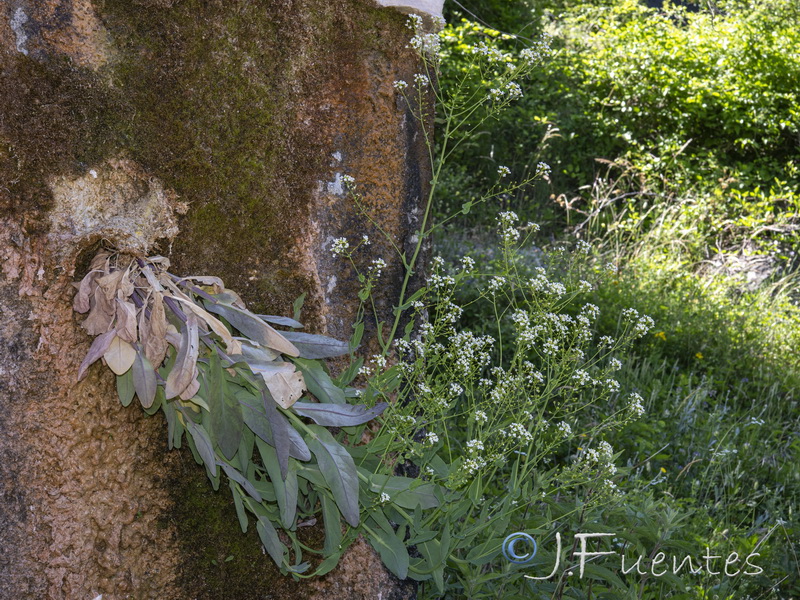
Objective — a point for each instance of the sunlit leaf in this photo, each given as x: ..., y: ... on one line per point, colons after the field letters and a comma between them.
x: 119, y: 356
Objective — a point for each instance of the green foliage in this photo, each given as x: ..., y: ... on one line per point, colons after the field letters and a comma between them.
x: 234, y: 400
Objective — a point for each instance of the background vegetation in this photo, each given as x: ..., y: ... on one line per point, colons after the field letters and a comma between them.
x: 673, y: 137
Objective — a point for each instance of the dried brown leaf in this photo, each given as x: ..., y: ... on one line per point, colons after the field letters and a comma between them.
x: 155, y: 340
x: 126, y: 320
x: 180, y: 377
x: 101, y: 316
x: 86, y: 289
x: 110, y: 283
x: 192, y: 388
x: 232, y: 345
x: 126, y: 285
x: 285, y: 386
x: 96, y: 350
x: 100, y: 261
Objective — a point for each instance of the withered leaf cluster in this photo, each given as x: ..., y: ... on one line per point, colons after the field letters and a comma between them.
x: 230, y: 385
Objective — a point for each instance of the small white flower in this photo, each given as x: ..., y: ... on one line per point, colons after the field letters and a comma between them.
x: 467, y: 264
x: 495, y: 94
x: 543, y: 170
x: 414, y: 22
x: 590, y: 311
x: 582, y: 377
x: 550, y: 347
x: 635, y: 404
x: 400, y: 85
x: 385, y: 498
x: 514, y: 91
x: 340, y: 246
x: 349, y: 180
x: 421, y: 80
x: 496, y: 283
x: 614, y: 364
x: 518, y: 431
x: 606, y: 341
x: 605, y: 450
x: 379, y: 361
x: 431, y: 438
x: 564, y: 429
x: 612, y: 385
x: 456, y: 390
x: 475, y: 446
x: 481, y: 417
x: 503, y: 171
x: 378, y: 265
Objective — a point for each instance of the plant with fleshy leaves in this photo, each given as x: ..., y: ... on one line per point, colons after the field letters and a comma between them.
x: 230, y: 385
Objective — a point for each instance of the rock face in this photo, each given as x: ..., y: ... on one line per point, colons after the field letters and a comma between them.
x: 216, y: 132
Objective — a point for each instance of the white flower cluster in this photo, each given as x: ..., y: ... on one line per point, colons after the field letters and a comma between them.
x: 400, y: 85
x: 431, y: 438
x: 378, y: 265
x: 518, y: 432
x: 521, y: 318
x: 514, y: 91
x: 590, y: 311
x: 564, y: 429
x: 584, y: 286
x: 496, y: 94
x: 496, y: 283
x: 421, y: 80
x: 473, y: 465
x: 635, y: 404
x: 481, y: 417
x: 456, y: 390
x: 543, y: 170
x: 641, y: 323
x: 614, y: 364
x: 467, y: 352
x: 492, y: 54
x: 474, y: 446
x: 438, y: 282
x: 550, y: 347
x: 340, y: 246
x: 602, y: 457
x: 612, y: 385
x: 349, y: 181
x: 503, y: 171
x: 467, y: 264
x: 537, y: 51
x: 606, y: 341
x: 507, y: 224
x: 449, y: 312
x: 583, y: 246
x: 532, y: 376
x: 583, y: 378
